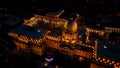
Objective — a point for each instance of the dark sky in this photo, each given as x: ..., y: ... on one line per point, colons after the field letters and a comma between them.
x: 85, y: 7
x: 57, y: 3
x: 107, y: 6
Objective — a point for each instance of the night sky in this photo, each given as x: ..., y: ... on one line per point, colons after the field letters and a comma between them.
x: 90, y: 8
x: 61, y: 3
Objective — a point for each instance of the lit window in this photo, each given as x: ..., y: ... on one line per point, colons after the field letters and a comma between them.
x: 104, y: 47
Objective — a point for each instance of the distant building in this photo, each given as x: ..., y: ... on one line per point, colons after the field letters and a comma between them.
x: 111, y: 29
x: 55, y: 14
x: 50, y: 18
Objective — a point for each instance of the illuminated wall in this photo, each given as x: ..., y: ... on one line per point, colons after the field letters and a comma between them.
x: 69, y: 38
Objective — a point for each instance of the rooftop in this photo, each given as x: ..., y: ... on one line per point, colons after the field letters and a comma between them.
x: 109, y: 50
x: 33, y: 32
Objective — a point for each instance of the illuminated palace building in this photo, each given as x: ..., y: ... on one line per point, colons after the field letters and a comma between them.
x: 50, y: 31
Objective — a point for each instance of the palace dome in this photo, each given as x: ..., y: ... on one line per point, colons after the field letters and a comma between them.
x: 71, y: 26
